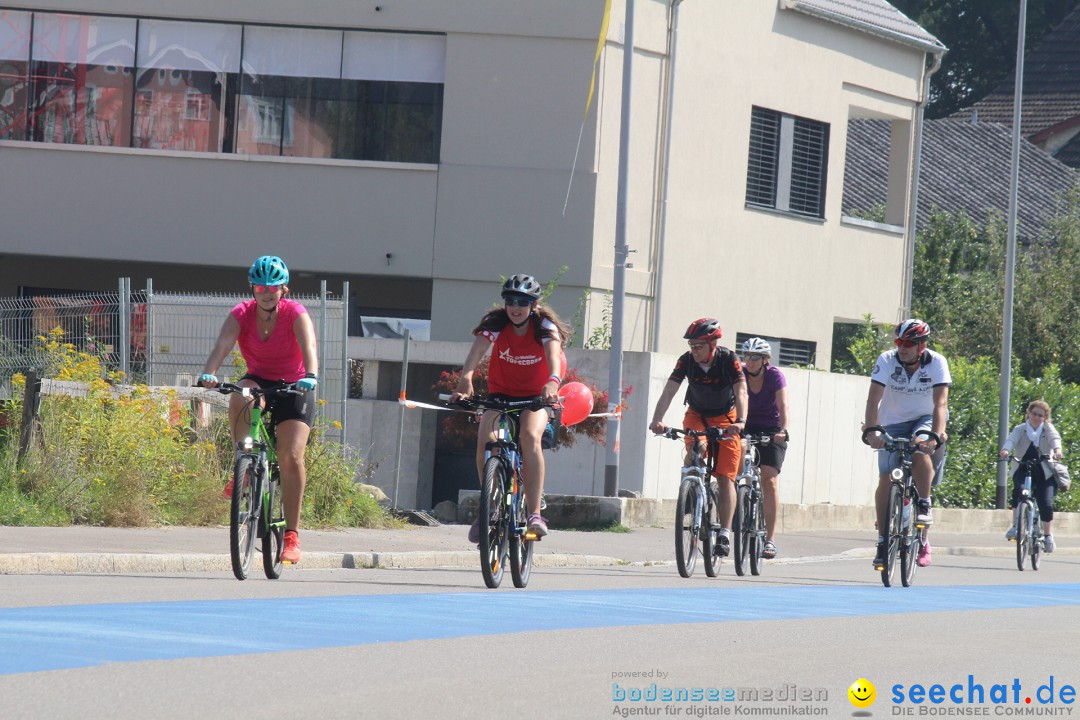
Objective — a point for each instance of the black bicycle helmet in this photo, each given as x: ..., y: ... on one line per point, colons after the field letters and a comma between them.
x: 703, y: 329
x: 522, y: 286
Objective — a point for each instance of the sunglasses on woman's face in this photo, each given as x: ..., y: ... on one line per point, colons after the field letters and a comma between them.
x: 266, y: 288
x: 1038, y: 414
x: 517, y: 302
x: 754, y: 356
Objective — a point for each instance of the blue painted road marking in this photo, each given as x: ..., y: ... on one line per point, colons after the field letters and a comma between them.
x: 75, y: 636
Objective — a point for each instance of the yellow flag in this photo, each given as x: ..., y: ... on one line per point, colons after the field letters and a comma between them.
x: 599, y: 49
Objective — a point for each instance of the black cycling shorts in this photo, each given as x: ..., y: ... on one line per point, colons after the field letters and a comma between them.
x: 288, y: 407
x: 773, y: 453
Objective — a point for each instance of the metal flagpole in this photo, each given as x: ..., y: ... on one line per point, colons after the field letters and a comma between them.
x: 611, y: 468
x: 1010, y: 258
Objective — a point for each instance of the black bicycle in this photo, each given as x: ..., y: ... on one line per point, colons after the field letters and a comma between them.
x: 903, y: 535
x: 257, y: 510
x: 748, y: 526
x: 503, y: 512
x: 696, y: 514
x: 1029, y: 535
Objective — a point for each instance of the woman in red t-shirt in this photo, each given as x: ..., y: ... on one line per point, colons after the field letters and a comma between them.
x: 527, y: 361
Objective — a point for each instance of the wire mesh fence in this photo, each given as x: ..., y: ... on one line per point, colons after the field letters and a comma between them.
x: 158, y: 339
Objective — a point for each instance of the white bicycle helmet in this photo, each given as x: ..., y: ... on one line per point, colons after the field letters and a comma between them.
x: 756, y: 346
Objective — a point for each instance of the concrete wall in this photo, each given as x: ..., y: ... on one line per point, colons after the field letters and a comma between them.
x: 826, y: 462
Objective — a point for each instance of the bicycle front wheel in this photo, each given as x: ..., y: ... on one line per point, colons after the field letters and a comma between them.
x: 273, y: 527
x: 686, y: 536
x: 1023, y: 535
x: 1036, y: 540
x: 243, y: 515
x: 710, y: 537
x: 493, y: 522
x: 757, y: 539
x: 741, y: 529
x: 894, y: 516
x: 910, y: 543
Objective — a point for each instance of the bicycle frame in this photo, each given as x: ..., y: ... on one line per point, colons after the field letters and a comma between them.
x: 695, y: 491
x: 1029, y: 534
x: 504, y: 529
x: 749, y: 524
x: 903, y: 534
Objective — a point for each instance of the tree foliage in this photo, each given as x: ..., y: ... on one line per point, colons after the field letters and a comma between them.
x: 981, y: 37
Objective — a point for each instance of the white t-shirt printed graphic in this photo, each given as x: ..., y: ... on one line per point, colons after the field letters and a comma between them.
x: 908, y: 398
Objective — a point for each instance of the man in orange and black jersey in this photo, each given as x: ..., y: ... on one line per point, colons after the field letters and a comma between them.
x: 716, y: 397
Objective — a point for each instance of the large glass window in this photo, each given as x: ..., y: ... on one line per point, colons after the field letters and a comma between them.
x: 396, y: 82
x: 82, y: 70
x: 14, y: 73
x: 219, y: 87
x: 290, y: 92
x: 184, y: 71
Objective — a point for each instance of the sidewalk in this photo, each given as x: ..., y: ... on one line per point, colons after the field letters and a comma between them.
x: 37, y: 550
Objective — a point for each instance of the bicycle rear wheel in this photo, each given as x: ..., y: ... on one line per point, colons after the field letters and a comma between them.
x: 493, y: 522
x: 757, y: 540
x: 893, y: 520
x: 1023, y: 535
x: 741, y: 530
x: 521, y: 549
x: 273, y: 527
x: 686, y: 538
x: 244, y: 514
x: 709, y: 537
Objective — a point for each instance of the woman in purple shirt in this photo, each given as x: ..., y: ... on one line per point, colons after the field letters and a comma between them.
x: 768, y: 414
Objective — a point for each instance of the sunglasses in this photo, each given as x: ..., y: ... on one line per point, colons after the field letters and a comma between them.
x: 698, y: 345
x: 517, y: 302
x: 266, y: 288
x: 1032, y: 413
x: 755, y: 356
x: 907, y: 343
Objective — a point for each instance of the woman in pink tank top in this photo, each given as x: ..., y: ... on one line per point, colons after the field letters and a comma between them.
x: 277, y: 340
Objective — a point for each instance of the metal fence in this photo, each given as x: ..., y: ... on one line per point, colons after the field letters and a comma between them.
x: 160, y: 338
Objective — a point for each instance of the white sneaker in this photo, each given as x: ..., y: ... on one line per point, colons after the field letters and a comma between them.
x: 1048, y: 544
x: 1010, y: 534
x: 925, y: 516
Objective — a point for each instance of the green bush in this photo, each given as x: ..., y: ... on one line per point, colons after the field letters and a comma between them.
x: 132, y: 459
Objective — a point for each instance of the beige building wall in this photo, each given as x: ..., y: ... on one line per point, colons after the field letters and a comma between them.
x: 516, y: 78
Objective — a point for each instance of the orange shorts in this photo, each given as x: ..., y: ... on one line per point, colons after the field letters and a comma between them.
x: 728, y: 452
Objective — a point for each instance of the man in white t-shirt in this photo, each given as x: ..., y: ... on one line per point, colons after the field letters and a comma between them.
x: 909, y: 392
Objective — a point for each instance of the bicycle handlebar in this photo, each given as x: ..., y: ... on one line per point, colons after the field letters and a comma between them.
x: 281, y: 388
x: 477, y: 402
x: 893, y: 444
x: 1027, y: 463
x: 713, y: 433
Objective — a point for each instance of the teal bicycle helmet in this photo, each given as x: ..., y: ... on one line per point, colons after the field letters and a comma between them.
x: 268, y: 270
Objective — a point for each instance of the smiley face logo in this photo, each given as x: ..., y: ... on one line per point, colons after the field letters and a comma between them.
x: 862, y: 693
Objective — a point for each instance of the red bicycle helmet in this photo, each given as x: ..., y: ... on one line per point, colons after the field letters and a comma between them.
x: 703, y: 329
x: 912, y: 330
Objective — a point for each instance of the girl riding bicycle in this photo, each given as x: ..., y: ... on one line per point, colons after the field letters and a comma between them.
x: 277, y: 340
x: 527, y: 361
x: 1029, y: 440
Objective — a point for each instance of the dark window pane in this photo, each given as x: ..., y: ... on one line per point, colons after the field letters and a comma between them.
x: 14, y: 91
x: 764, y: 155
x: 808, y: 163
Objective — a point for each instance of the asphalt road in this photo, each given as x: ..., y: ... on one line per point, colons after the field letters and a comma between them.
x: 582, y: 641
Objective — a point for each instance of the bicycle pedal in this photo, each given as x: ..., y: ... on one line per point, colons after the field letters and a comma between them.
x: 879, y: 568
x: 531, y: 536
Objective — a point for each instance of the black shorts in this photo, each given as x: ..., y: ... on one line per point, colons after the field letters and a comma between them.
x: 287, y: 407
x: 773, y: 453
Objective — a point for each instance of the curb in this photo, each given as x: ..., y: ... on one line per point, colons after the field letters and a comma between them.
x: 117, y: 563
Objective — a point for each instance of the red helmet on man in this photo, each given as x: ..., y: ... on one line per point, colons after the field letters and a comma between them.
x: 913, y: 330
x: 704, y: 329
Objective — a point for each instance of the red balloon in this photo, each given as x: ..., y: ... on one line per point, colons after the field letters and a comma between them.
x: 577, y: 402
